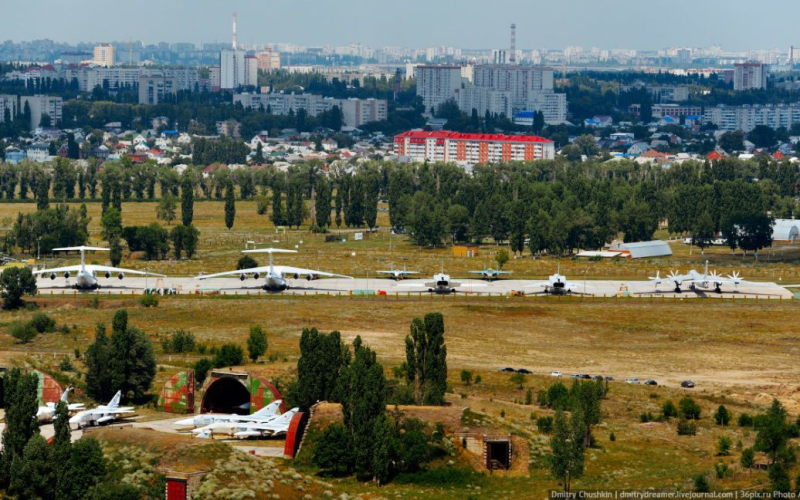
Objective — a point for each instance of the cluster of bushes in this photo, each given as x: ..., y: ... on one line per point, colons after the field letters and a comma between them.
x: 24, y: 332
x: 182, y: 342
x: 558, y: 397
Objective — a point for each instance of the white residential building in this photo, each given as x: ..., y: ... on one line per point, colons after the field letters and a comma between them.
x: 747, y: 117
x: 472, y: 149
x: 43, y: 105
x: 355, y: 112
x: 437, y: 85
x: 237, y: 69
x: 8, y: 103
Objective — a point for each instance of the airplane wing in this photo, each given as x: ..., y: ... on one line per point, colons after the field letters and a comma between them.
x: 103, y: 269
x: 476, y: 272
x: 299, y: 270
x: 385, y: 272
x: 58, y: 270
x: 537, y: 283
x: 260, y: 270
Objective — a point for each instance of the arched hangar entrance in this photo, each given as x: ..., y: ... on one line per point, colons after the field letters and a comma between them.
x: 239, y: 393
x: 226, y: 395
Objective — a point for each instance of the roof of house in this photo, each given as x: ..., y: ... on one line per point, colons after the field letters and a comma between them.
x: 444, y: 134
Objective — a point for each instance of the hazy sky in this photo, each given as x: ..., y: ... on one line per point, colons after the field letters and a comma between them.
x: 639, y: 24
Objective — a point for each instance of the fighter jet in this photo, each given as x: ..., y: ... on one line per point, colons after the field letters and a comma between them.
x: 86, y: 275
x: 398, y: 274
x: 270, y: 426
x: 490, y: 274
x: 696, y: 280
x: 47, y: 412
x: 275, y: 276
x: 441, y: 284
x: 208, y: 419
x: 102, y: 414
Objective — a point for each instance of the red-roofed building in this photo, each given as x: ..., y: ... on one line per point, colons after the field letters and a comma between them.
x: 445, y: 146
x: 778, y: 155
x: 715, y: 155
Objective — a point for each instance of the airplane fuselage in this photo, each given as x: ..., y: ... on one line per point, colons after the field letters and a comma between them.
x: 441, y: 284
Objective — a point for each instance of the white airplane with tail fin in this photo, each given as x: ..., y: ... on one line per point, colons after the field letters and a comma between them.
x: 441, y: 284
x: 207, y: 419
x: 276, y: 427
x: 696, y: 280
x: 275, y: 276
x: 47, y: 413
x: 398, y: 274
x: 86, y: 275
x: 557, y: 284
x: 490, y: 274
x: 102, y: 414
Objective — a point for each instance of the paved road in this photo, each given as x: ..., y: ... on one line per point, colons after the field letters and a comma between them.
x: 333, y: 287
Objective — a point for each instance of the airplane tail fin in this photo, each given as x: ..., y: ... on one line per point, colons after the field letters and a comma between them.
x: 270, y: 410
x: 115, y: 400
x: 65, y: 396
x: 706, y: 271
x: 287, y: 417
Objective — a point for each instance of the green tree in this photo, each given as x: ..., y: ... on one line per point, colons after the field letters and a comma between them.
x: 86, y: 468
x: 458, y: 222
x: 201, y: 369
x: 323, y: 358
x: 132, y: 364
x: 230, y: 203
x: 333, y: 449
x: 20, y: 403
x: 246, y: 262
x: 187, y: 199
x: 722, y: 416
x: 748, y: 458
x: 567, y: 451
x: 256, y: 343
x: 426, y: 359
x: 62, y: 448
x: 466, y: 377
x: 501, y: 257
x: 703, y: 231
x: 32, y: 473
x: 773, y: 433
x: 690, y: 410
x: 166, y: 208
x: 779, y: 478
x: 732, y: 141
x: 16, y: 282
x: 96, y: 359
x: 228, y: 355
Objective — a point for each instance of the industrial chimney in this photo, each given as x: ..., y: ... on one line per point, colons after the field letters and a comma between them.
x: 234, y: 31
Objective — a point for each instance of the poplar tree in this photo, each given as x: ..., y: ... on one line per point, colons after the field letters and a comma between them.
x: 567, y: 451
x: 21, y: 404
x: 230, y: 203
x: 187, y: 200
x: 426, y: 359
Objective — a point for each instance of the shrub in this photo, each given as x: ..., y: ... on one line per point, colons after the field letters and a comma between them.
x: 748, y: 458
x: 23, y: 332
x: 149, y: 300
x: 722, y: 416
x: 478, y: 379
x: 612, y: 437
x: 65, y: 365
x: 94, y: 302
x: 646, y: 417
x: 721, y: 469
x: 229, y: 355
x: 544, y: 424
x: 669, y: 410
x: 689, y: 409
x: 201, y: 369
x: 42, y: 323
x: 724, y: 446
x: 466, y: 377
x: 701, y: 484
x: 745, y: 420
x: 686, y: 428
x: 181, y: 341
x: 529, y: 397
x: 558, y: 396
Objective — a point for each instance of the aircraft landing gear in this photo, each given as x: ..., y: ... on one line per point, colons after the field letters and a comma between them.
x: 718, y: 290
x: 677, y: 289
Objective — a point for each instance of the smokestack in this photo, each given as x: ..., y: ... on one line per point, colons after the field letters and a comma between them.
x: 234, y: 31
x: 513, y: 56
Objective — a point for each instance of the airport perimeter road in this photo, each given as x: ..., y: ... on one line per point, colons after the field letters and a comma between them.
x: 361, y: 286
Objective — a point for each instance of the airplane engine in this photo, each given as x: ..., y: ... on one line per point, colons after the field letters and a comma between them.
x: 242, y: 277
x: 108, y: 274
x: 52, y: 276
x: 296, y: 276
x: 66, y: 275
x: 311, y: 277
x: 256, y: 276
x: 121, y: 275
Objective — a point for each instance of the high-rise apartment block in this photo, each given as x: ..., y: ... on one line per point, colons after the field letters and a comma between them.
x: 444, y: 146
x: 237, y: 69
x: 43, y: 105
x: 104, y: 55
x: 269, y: 60
x: 437, y: 85
x: 749, y: 76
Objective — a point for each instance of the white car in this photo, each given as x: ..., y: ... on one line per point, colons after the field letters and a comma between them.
x: 632, y: 381
x: 555, y: 374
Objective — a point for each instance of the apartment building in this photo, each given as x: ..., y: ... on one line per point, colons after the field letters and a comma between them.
x: 104, y: 55
x: 437, y: 84
x: 749, y: 76
x: 154, y: 88
x: 445, y: 146
x: 43, y: 105
x: 269, y: 60
x: 355, y: 112
x: 237, y: 69
x: 747, y: 117
x: 675, y: 110
x: 512, y: 89
x: 8, y: 106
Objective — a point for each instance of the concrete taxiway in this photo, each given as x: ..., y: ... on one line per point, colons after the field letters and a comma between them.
x: 377, y: 286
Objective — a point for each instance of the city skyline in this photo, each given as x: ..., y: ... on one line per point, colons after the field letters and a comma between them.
x: 414, y: 24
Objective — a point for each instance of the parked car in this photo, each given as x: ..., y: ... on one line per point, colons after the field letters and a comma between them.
x: 555, y: 374
x: 608, y: 379
x: 632, y: 381
x: 688, y: 384
x: 650, y: 382
x: 524, y: 371
x: 507, y: 369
